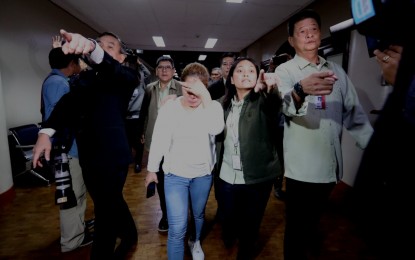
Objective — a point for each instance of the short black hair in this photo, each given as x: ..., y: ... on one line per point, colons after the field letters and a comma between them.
x: 123, y: 45
x: 304, y: 14
x: 227, y: 54
x: 165, y: 58
x: 60, y: 60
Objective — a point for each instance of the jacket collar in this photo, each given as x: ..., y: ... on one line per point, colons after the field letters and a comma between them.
x: 302, y: 63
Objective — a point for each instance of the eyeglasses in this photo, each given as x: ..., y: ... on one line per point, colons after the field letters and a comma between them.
x: 215, y: 74
x: 227, y: 63
x: 164, y: 67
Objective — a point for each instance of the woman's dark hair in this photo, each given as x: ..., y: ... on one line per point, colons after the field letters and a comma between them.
x: 231, y: 89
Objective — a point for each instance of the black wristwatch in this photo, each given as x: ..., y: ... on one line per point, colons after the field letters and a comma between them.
x: 299, y: 90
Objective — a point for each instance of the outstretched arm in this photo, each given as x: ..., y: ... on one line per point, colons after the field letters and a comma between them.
x: 76, y: 43
x: 268, y: 81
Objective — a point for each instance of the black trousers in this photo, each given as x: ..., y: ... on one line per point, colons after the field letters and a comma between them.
x: 243, y: 208
x: 134, y: 128
x: 112, y: 216
x: 160, y: 190
x: 280, y: 151
x: 304, y: 205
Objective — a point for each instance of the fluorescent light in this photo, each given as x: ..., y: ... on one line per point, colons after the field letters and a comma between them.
x: 234, y: 1
x: 158, y: 40
x: 202, y: 57
x: 210, y: 43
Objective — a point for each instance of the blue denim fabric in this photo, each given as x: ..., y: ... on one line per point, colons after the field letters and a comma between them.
x: 178, y: 191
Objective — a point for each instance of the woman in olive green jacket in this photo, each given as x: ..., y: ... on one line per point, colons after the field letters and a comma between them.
x: 247, y: 153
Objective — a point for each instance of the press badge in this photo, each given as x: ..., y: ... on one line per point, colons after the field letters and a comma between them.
x: 320, y: 102
x: 236, y: 162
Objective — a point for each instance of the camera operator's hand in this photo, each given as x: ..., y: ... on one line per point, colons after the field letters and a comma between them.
x: 151, y: 177
x: 389, y: 61
x: 76, y: 43
x: 43, y: 146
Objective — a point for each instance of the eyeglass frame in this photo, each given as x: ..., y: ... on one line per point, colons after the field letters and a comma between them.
x: 159, y: 67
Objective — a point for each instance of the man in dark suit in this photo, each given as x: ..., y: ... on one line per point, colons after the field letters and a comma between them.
x: 217, y: 88
x: 95, y: 109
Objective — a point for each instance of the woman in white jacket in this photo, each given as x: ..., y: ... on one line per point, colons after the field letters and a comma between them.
x: 183, y: 136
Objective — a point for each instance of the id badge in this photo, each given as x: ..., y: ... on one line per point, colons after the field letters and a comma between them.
x: 320, y: 102
x: 236, y: 162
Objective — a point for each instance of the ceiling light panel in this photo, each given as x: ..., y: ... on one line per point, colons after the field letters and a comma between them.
x: 210, y: 43
x: 158, y: 40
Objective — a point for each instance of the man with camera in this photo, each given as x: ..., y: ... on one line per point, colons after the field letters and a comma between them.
x: 384, y: 184
x: 74, y: 233
x: 95, y: 110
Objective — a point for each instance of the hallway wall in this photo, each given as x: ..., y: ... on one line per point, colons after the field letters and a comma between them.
x: 26, y: 29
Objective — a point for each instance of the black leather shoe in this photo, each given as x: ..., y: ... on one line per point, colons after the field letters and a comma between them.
x: 137, y: 168
x: 163, y: 225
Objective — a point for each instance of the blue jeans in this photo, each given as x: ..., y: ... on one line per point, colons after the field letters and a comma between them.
x: 178, y: 190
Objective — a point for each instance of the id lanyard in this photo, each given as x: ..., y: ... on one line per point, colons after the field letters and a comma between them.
x: 234, y: 124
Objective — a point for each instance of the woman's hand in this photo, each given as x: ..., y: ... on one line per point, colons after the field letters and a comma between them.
x: 195, y: 87
x: 267, y: 81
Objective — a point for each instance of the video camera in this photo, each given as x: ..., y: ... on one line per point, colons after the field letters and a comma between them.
x: 133, y: 52
x: 383, y: 19
x: 383, y: 22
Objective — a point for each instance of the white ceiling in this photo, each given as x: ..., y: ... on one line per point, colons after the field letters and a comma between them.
x: 185, y: 25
